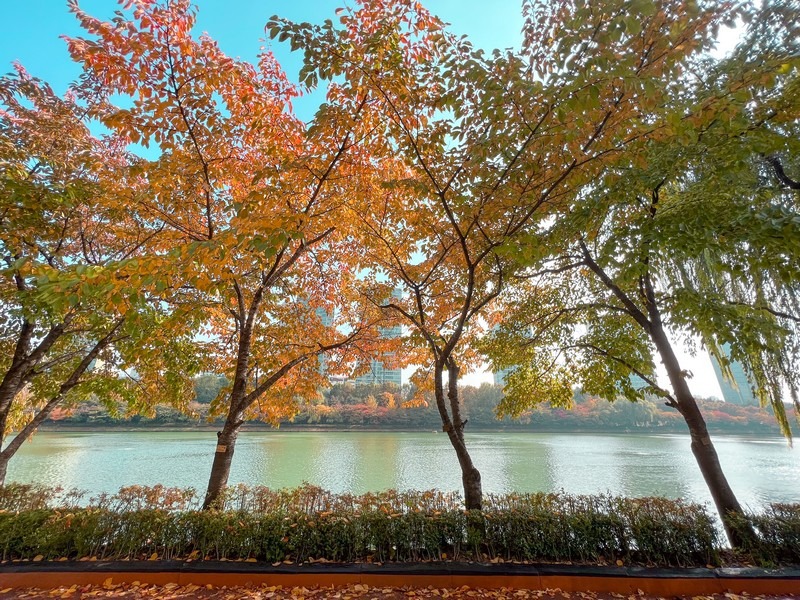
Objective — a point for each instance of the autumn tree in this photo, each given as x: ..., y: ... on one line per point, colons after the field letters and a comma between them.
x: 473, y: 149
x: 251, y: 198
x: 684, y: 236
x: 71, y: 325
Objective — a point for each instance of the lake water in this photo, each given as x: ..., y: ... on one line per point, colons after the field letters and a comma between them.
x: 759, y: 470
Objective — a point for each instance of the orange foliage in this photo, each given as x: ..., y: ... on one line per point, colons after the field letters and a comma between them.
x: 248, y: 198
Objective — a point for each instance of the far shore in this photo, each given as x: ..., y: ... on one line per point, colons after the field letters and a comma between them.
x: 288, y: 427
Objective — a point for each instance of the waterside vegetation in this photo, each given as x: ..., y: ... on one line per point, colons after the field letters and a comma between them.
x: 354, y: 407
x: 308, y: 524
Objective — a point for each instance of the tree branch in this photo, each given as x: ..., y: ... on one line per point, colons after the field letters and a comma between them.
x: 777, y: 166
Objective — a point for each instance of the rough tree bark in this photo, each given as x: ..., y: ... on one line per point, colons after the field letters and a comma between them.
x: 703, y: 449
x: 452, y: 424
x: 221, y: 468
x: 73, y: 380
x: 226, y: 438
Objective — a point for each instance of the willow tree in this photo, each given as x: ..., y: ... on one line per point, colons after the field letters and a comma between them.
x: 70, y: 320
x: 249, y: 198
x: 471, y: 149
x: 685, y: 236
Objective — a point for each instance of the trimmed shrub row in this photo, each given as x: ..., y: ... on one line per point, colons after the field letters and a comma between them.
x: 777, y: 535
x: 309, y: 523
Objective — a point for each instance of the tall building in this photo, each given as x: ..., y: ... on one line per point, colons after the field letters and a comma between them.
x: 378, y: 373
x: 737, y: 391
x: 327, y: 321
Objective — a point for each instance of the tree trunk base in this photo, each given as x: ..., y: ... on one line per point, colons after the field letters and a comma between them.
x: 221, y: 469
x: 739, y: 531
x: 473, y: 492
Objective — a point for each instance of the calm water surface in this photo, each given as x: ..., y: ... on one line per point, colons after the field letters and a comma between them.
x: 760, y: 470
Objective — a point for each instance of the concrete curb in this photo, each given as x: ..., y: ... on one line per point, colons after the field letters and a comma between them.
x: 569, y: 578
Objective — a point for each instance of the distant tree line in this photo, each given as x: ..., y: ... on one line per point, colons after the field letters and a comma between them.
x: 349, y: 406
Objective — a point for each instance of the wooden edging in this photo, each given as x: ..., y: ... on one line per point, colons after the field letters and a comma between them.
x: 569, y: 578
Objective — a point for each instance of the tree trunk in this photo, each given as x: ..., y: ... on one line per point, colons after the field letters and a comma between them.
x: 470, y: 480
x: 71, y: 381
x: 9, y: 451
x: 703, y: 449
x: 454, y: 427
x: 9, y: 388
x: 3, y: 469
x: 221, y: 469
x: 226, y: 439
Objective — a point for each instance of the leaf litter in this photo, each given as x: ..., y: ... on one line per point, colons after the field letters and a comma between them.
x: 173, y: 591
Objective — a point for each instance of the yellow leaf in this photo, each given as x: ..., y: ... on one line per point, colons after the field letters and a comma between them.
x: 154, y: 556
x: 37, y: 558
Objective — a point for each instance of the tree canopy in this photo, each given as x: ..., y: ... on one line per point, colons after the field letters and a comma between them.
x: 690, y: 231
x: 567, y: 208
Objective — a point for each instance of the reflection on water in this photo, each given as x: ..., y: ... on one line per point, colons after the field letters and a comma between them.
x: 633, y: 465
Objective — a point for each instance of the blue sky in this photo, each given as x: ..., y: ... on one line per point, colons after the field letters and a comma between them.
x: 30, y: 33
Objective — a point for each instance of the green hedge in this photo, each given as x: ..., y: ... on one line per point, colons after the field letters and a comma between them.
x: 777, y: 530
x: 309, y: 523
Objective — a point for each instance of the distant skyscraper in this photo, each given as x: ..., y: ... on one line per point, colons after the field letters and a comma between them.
x: 327, y: 321
x: 739, y: 391
x: 378, y: 374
